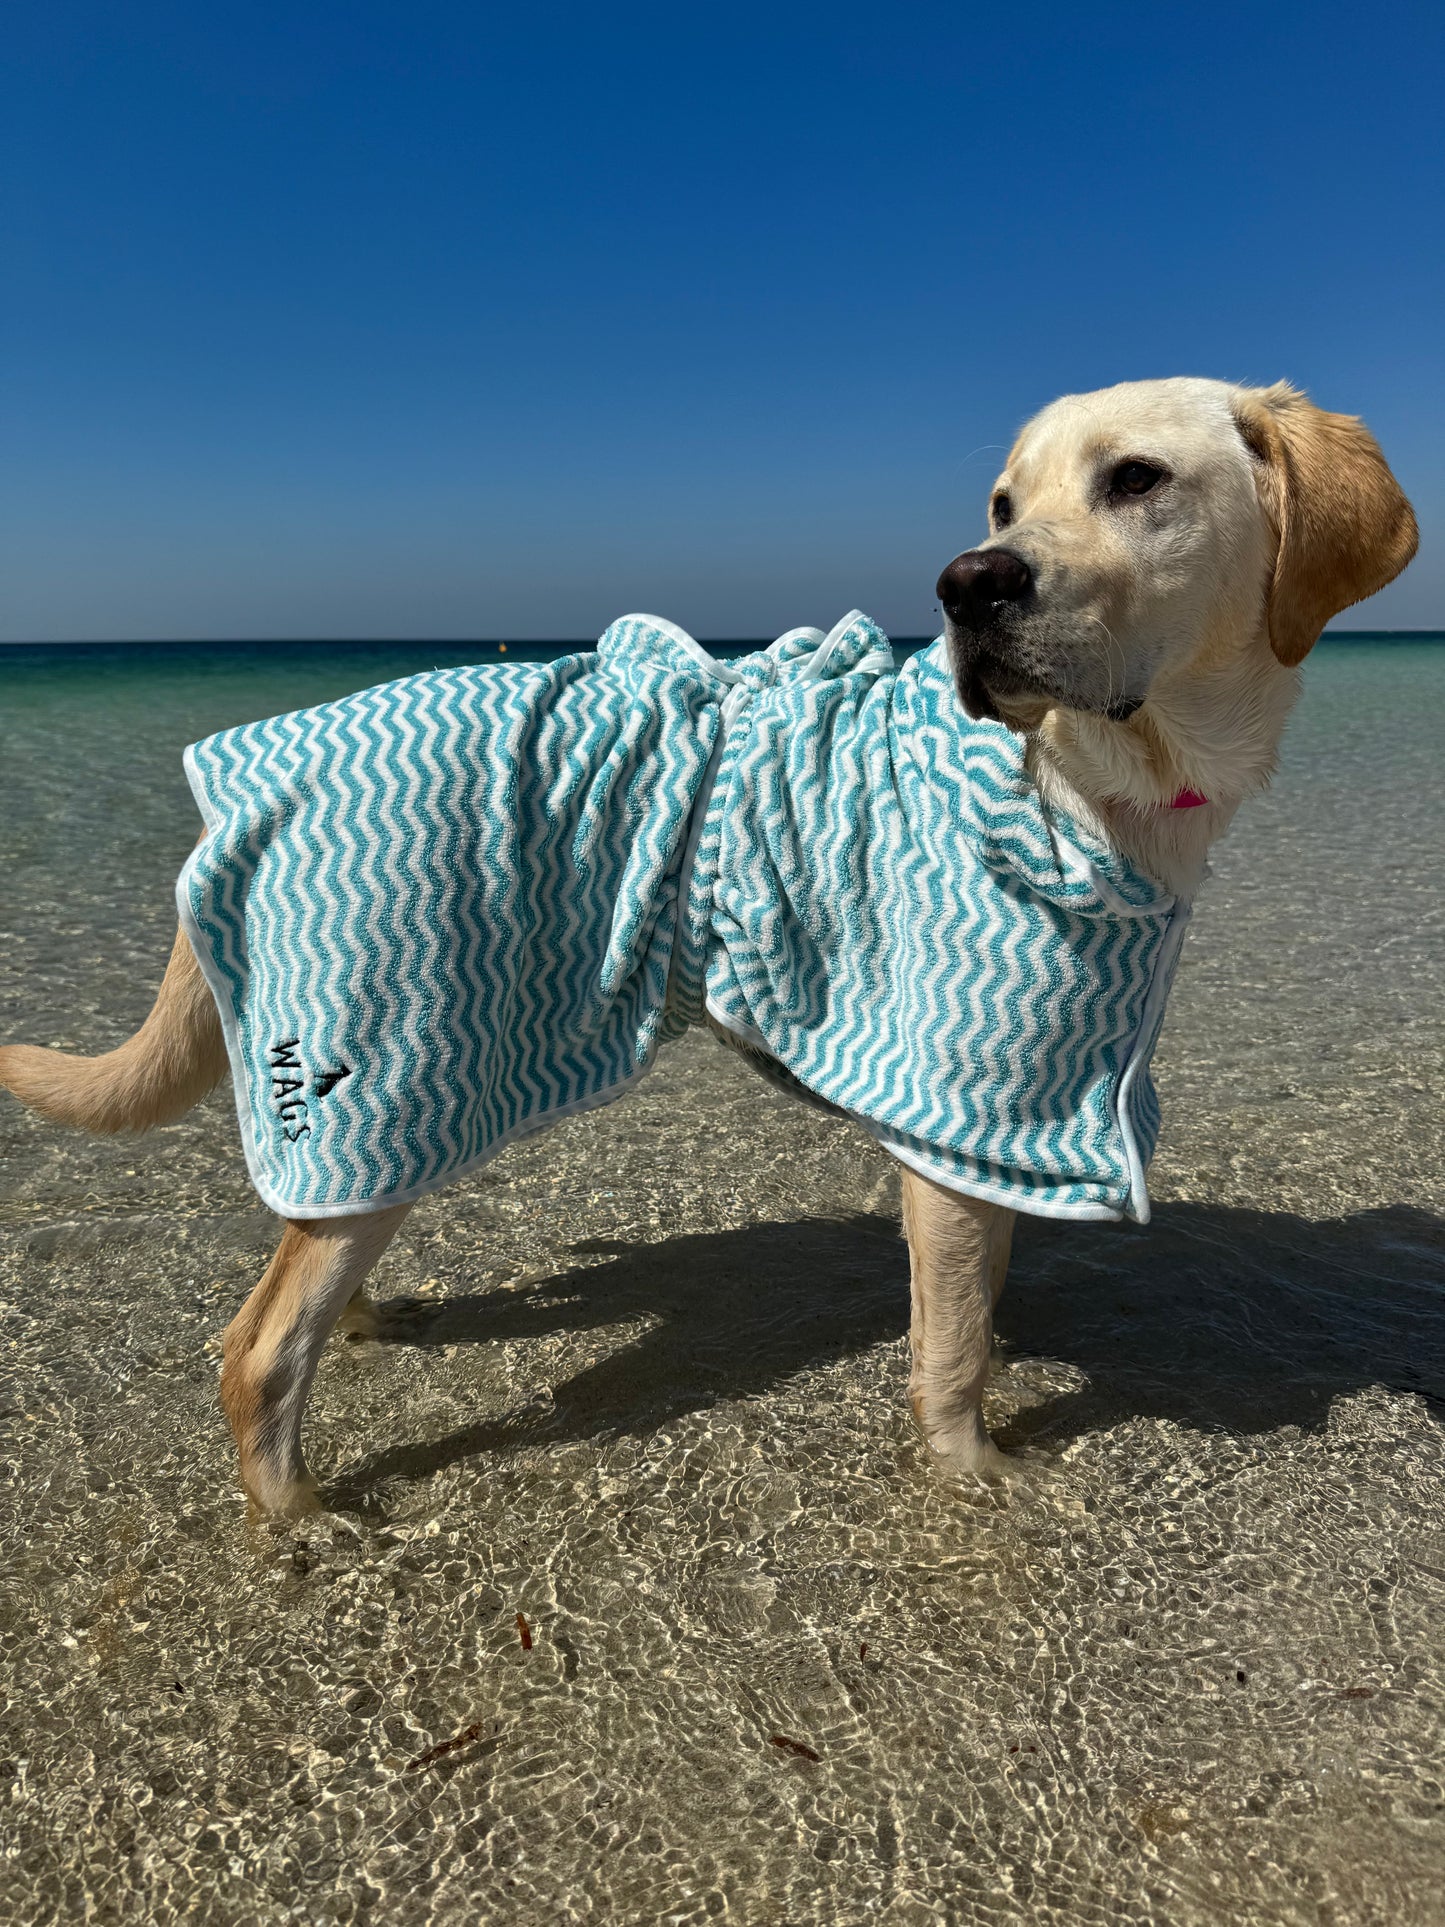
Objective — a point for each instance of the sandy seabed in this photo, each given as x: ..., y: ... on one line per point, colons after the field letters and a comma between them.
x: 641, y: 1383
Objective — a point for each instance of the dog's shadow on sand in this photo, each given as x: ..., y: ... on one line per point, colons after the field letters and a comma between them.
x: 1212, y: 1316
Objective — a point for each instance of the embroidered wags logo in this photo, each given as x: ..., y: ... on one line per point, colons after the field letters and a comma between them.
x: 289, y: 1080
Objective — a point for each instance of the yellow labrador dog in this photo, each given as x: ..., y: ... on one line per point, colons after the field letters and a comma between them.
x: 1162, y: 556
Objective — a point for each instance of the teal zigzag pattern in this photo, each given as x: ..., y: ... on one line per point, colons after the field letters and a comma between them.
x: 882, y: 903
x: 444, y: 912
x: 460, y: 892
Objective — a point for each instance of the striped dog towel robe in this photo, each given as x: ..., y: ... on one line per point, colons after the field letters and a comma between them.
x: 447, y: 911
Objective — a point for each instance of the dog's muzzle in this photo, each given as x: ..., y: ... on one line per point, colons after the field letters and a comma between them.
x: 978, y: 590
x: 987, y: 595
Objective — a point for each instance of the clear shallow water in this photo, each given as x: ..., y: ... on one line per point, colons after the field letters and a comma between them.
x: 643, y: 1384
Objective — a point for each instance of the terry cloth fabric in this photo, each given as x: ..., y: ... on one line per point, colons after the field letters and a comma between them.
x: 448, y: 911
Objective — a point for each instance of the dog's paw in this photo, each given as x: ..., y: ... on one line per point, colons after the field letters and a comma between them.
x: 965, y: 1458
x: 361, y: 1319
x: 275, y: 1503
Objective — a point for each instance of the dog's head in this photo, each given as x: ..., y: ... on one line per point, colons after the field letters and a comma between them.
x: 1137, y: 531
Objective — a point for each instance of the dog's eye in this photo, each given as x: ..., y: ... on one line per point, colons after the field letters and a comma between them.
x: 1135, y: 478
x: 1003, y: 511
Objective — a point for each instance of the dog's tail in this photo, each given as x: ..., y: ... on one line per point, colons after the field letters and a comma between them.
x: 176, y: 1056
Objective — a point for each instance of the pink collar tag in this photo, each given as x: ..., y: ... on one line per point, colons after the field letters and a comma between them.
x: 1187, y: 799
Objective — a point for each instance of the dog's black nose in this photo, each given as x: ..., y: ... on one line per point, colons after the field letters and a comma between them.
x: 974, y: 584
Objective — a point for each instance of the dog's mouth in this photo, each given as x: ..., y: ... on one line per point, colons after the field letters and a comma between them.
x: 981, y: 683
x: 994, y: 689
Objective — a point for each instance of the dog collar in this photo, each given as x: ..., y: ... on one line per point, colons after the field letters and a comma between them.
x: 1187, y: 799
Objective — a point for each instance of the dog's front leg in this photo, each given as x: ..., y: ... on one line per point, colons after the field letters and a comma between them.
x: 958, y: 1249
x: 274, y: 1341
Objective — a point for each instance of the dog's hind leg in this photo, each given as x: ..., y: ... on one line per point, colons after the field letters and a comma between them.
x: 176, y: 1056
x: 958, y: 1250
x: 274, y: 1341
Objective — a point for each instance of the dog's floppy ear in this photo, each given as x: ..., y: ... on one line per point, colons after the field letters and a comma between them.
x: 1342, y: 523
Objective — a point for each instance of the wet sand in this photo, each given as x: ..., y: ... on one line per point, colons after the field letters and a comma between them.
x: 642, y: 1383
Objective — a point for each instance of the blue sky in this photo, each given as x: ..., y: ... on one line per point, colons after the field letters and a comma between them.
x: 370, y: 320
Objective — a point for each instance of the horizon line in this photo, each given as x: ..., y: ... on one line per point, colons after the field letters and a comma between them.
x: 500, y: 642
